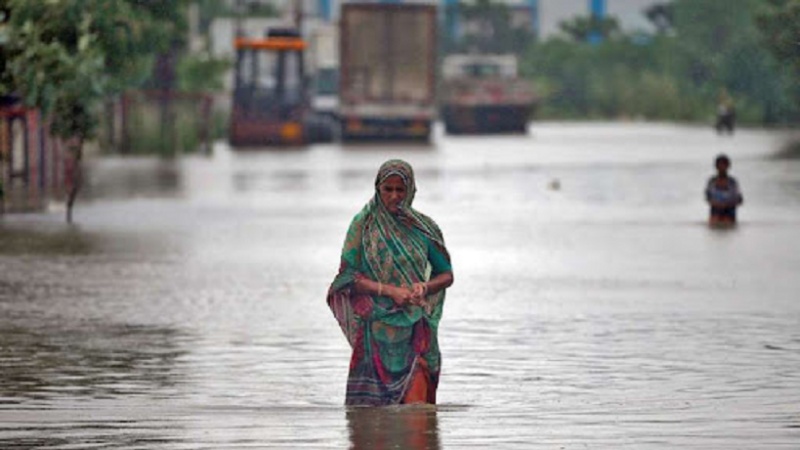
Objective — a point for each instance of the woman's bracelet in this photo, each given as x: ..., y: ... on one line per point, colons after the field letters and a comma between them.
x: 380, y: 289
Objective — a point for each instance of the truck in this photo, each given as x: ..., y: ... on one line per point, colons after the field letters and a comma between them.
x: 270, y: 101
x: 482, y: 93
x: 271, y: 105
x: 387, y: 79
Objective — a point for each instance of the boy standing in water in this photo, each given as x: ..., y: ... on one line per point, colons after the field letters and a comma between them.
x: 722, y: 194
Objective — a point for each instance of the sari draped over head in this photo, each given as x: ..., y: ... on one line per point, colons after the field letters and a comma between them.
x: 394, y: 347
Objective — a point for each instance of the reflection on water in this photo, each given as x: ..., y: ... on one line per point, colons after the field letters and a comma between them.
x: 85, y: 360
x: 123, y: 177
x: 187, y: 307
x: 408, y: 427
x: 20, y: 241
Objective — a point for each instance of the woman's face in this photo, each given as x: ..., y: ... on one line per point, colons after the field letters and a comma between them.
x: 393, y: 192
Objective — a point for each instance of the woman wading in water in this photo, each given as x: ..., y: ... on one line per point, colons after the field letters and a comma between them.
x: 389, y: 294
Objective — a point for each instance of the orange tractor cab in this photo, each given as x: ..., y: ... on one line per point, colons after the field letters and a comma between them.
x: 270, y: 97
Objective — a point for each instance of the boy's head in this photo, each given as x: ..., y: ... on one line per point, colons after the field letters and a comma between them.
x: 722, y: 163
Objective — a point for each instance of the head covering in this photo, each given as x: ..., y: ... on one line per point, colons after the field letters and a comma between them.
x: 405, y: 172
x: 407, y: 214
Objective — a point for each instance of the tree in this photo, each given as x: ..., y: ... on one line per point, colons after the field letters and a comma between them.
x: 661, y: 15
x: 707, y: 30
x: 721, y: 48
x: 703, y: 48
x: 64, y: 57
x: 779, y: 24
x: 581, y: 29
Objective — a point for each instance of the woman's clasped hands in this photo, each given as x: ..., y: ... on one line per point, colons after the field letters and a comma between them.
x: 402, y: 295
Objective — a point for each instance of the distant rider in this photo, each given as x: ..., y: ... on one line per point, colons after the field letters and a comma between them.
x: 726, y: 114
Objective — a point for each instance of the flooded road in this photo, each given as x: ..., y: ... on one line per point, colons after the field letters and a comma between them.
x: 592, y: 308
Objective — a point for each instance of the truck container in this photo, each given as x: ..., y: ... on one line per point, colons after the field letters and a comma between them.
x: 387, y: 82
x: 483, y: 94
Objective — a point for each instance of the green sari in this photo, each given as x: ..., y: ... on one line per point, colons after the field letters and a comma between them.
x: 391, y: 344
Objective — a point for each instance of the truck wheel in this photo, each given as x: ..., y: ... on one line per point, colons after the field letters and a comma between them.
x: 320, y: 129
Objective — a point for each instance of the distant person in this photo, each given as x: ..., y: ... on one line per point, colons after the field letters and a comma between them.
x: 723, y: 194
x: 389, y: 294
x: 726, y: 114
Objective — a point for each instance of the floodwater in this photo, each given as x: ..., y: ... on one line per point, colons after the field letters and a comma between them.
x: 592, y: 308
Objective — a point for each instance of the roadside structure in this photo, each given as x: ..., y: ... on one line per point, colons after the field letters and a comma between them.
x: 33, y: 167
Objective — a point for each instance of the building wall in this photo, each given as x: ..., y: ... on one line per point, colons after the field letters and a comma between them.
x: 32, y: 163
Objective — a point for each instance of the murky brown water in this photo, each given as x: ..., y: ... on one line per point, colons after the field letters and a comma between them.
x: 187, y: 308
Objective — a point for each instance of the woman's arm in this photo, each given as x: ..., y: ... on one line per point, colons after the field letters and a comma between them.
x: 434, y: 285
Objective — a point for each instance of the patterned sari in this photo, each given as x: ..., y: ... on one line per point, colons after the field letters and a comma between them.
x: 395, y: 348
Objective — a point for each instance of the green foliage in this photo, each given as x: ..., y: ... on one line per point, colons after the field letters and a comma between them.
x: 701, y: 49
x: 616, y: 79
x: 582, y: 28
x: 147, y: 134
x: 662, y: 16
x: 60, y: 73
x: 65, y: 56
x: 201, y: 73
x: 779, y: 23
